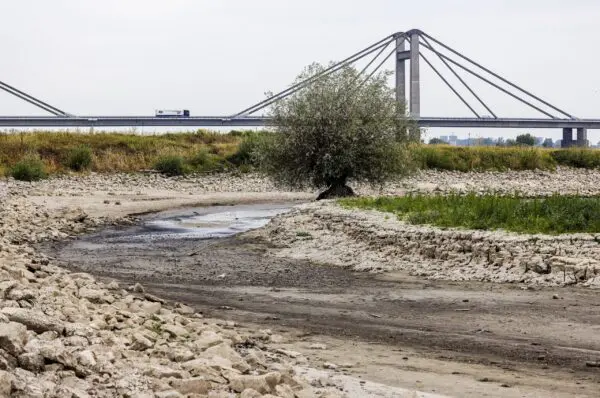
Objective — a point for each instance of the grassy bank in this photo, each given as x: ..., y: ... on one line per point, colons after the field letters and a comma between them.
x: 446, y: 157
x: 206, y: 151
x: 119, y: 152
x: 551, y: 215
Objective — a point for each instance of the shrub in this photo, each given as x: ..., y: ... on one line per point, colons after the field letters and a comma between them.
x: 205, y: 161
x: 172, y: 165
x: 30, y: 168
x: 246, y: 153
x: 577, y: 157
x: 79, y: 158
x: 445, y: 157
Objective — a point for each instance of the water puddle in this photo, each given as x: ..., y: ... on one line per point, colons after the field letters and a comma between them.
x: 214, y: 222
x: 192, y: 223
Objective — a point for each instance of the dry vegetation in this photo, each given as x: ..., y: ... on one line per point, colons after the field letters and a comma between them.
x: 208, y: 151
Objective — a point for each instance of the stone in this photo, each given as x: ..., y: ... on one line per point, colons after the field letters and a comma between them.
x: 225, y: 351
x: 86, y: 358
x: 180, y: 354
x: 96, y: 296
x: 140, y: 342
x: 175, y: 330
x: 168, y: 394
x: 6, y: 382
x: 162, y: 372
x: 34, y: 320
x: 138, y: 288
x: 31, y: 361
x: 284, y: 391
x: 150, y: 308
x: 240, y: 383
x: 194, y: 385
x: 250, y: 393
x: 13, y: 337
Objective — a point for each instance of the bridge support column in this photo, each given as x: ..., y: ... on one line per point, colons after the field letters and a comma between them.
x: 582, y: 140
x: 567, y: 138
x: 415, y: 84
x: 401, y: 70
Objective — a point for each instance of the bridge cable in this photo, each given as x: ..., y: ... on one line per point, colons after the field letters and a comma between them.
x: 306, y: 82
x: 449, y: 85
x: 493, y: 84
x: 32, y: 100
x: 497, y: 76
x: 457, y: 76
x: 333, y: 68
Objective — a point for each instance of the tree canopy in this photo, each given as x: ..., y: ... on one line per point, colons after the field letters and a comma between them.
x: 340, y: 128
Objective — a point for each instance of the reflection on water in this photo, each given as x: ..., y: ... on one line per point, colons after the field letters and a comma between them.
x: 218, y: 224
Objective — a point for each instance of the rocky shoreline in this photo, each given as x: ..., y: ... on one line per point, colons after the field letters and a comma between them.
x: 68, y: 334
x: 366, y: 240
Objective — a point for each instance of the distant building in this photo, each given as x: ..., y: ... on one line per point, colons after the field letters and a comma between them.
x: 444, y: 138
x: 452, y: 140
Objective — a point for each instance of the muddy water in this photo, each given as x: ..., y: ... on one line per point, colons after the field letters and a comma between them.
x: 197, y: 256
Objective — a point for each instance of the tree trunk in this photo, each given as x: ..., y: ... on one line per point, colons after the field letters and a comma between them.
x: 336, y: 190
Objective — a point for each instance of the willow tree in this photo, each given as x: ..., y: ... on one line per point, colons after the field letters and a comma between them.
x: 341, y: 128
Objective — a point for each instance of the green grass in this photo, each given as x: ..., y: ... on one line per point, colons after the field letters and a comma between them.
x: 446, y: 157
x: 549, y: 215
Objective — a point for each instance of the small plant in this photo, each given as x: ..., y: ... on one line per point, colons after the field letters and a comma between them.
x: 303, y: 234
x: 172, y: 165
x: 30, y: 168
x: 79, y: 158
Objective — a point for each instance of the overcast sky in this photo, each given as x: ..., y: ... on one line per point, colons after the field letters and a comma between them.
x: 130, y: 57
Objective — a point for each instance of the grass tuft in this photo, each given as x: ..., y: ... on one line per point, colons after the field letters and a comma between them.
x: 80, y: 158
x: 557, y: 214
x: 31, y: 168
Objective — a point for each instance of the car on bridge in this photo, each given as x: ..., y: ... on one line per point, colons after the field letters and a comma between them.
x: 172, y: 113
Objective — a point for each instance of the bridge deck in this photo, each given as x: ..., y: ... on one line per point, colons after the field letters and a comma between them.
x: 249, y: 121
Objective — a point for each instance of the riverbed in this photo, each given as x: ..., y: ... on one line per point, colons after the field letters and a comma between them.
x: 456, y: 333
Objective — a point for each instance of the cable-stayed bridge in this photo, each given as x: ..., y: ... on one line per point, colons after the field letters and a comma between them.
x: 406, y: 49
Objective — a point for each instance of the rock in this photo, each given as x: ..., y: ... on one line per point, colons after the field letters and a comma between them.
x: 13, y: 337
x: 184, y: 309
x: 137, y: 288
x: 31, y: 361
x: 329, y: 365
x: 6, y: 382
x: 195, y: 385
x: 150, y: 308
x: 168, y: 394
x: 86, y: 358
x: 162, y: 372
x: 240, y: 383
x: 140, y: 343
x: 96, y: 296
x: 318, y: 346
x: 224, y: 351
x: 34, y: 320
x: 250, y: 393
x: 180, y: 354
x: 284, y: 391
x: 175, y: 330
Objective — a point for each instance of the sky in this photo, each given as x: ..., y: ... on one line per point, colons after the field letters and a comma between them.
x: 130, y: 57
